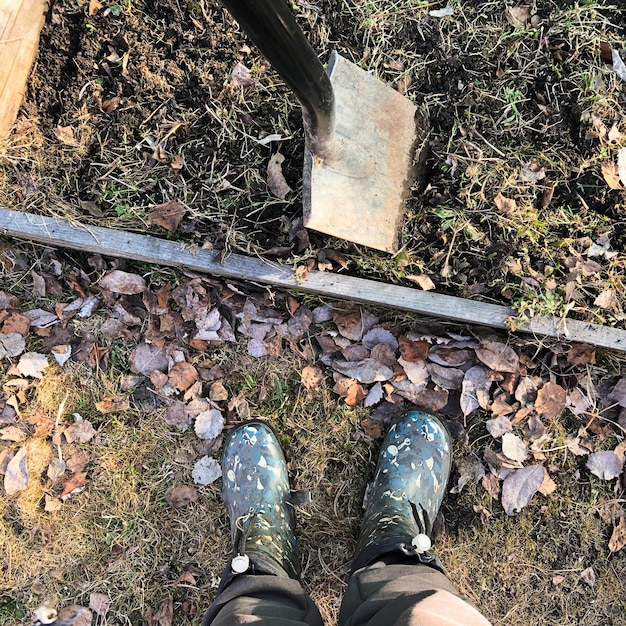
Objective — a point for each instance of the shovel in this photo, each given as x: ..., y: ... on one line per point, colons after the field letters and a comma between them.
x: 360, y: 134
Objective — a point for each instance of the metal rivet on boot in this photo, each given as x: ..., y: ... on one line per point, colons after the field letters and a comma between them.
x: 240, y: 563
x: 421, y: 543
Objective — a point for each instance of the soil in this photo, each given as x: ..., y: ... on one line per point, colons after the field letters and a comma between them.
x: 147, y: 89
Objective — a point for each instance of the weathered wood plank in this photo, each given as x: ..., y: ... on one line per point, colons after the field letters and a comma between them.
x: 20, y: 24
x: 109, y: 242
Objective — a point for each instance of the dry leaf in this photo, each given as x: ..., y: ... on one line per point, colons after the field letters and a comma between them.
x: 217, y: 392
x: 241, y: 76
x: 165, y: 614
x: 116, y: 404
x: 177, y: 416
x: 209, y: 424
x: 605, y: 464
x: 206, y: 471
x: 518, y: 16
x: 62, y: 353
x: 588, y: 576
x: 422, y: 280
x: 446, y: 377
x: 505, y: 205
x: 618, y: 536
x: 548, y: 486
x: 413, y: 350
x: 499, y: 426
x: 551, y: 399
x: 475, y: 389
x: 125, y: 283
x: 491, y: 485
x: 65, y: 134
x: 606, y: 299
x: 147, y: 357
x: 183, y: 375
x: 275, y: 179
x: 16, y: 323
x: 181, y: 496
x: 81, y: 431
x: 526, y: 392
x: 74, y: 616
x: 450, y: 357
x: 514, y: 448
x: 498, y: 356
x: 416, y: 371
x: 374, y: 395
x: 168, y: 215
x: 75, y: 485
x: 94, y: 6
x: 311, y: 376
x: 99, y: 603
x: 581, y: 354
x: 11, y: 344
x: 16, y: 476
x: 349, y: 321
x: 33, y: 364
x: 610, y: 175
x: 520, y: 486
x: 365, y: 371
x: 355, y: 394
x: 618, y: 394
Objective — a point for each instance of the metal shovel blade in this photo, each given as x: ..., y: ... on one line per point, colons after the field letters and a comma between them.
x: 358, y: 192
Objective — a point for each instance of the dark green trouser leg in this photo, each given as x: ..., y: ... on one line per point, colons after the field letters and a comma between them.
x: 391, y: 595
x: 271, y: 600
x: 405, y: 595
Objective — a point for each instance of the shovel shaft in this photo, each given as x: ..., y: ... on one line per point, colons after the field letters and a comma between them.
x: 273, y: 29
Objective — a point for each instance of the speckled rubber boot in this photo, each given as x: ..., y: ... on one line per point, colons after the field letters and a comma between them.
x: 255, y: 489
x: 402, y: 501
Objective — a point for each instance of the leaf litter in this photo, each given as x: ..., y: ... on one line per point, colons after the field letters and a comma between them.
x: 386, y: 368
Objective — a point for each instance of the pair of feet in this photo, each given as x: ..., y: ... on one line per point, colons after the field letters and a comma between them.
x: 401, y: 503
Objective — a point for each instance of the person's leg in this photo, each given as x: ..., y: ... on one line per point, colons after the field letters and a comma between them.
x: 395, y: 580
x: 261, y: 581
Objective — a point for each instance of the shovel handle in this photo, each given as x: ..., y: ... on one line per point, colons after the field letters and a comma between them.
x: 273, y: 29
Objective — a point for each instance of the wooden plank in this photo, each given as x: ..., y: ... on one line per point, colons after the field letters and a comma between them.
x: 109, y: 242
x: 20, y: 24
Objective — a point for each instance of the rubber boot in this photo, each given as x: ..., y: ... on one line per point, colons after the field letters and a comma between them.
x: 255, y: 489
x: 404, y: 498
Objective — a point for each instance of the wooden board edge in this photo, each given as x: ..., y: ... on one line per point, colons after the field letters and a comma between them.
x: 110, y: 242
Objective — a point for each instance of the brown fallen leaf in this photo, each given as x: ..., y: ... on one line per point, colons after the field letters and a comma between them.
x: 164, y: 614
x: 81, y: 431
x: 115, y: 404
x: 74, y: 616
x: 551, y: 399
x: 611, y: 176
x: 475, y: 389
x: 16, y: 323
x: 374, y: 429
x: 74, y: 485
x: 16, y: 476
x: 181, y: 496
x: 618, y: 536
x: 422, y: 280
x: 183, y: 375
x: 65, y: 134
x: 168, y: 215
x: 147, y: 357
x: 217, y: 392
x: 491, y: 484
x: 450, y: 357
x: 94, y: 6
x: 99, y: 603
x: 275, y: 178
x: 607, y: 299
x: 507, y: 206
x: 498, y: 356
x: 547, y: 486
x: 311, y: 376
x: 125, y: 283
x: 520, y: 486
x: 605, y: 464
x: 518, y: 16
x: 581, y: 354
x: 349, y: 321
x: 446, y: 377
x: 413, y: 350
x: 355, y: 395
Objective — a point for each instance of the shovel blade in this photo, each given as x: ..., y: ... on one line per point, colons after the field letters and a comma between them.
x: 358, y: 193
